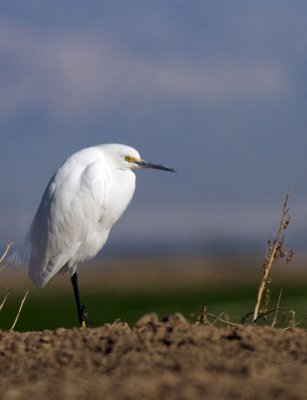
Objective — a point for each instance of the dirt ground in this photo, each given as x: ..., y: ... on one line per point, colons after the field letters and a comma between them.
x: 171, y: 359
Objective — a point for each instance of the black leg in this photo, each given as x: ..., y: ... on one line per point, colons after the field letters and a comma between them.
x: 82, y: 311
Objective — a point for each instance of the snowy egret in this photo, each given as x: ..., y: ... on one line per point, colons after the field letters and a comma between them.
x: 83, y: 200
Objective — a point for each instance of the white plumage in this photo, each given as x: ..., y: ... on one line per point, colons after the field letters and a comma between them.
x: 81, y: 203
x: 83, y: 200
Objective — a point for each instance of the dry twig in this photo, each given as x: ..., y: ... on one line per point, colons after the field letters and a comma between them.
x: 263, y: 315
x: 275, y: 250
x: 292, y: 315
x: 19, y: 311
x: 5, y: 298
x: 225, y: 321
x: 274, y: 322
x: 295, y: 324
x: 9, y: 245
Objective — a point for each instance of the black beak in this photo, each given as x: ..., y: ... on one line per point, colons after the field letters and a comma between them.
x: 145, y: 164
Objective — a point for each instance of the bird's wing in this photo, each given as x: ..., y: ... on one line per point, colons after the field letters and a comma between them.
x: 70, y: 208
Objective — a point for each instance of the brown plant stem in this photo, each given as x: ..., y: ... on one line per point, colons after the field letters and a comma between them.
x: 272, y: 256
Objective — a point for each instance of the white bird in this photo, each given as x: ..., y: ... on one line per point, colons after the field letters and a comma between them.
x: 83, y: 200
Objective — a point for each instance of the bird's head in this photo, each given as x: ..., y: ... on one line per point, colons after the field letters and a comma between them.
x: 127, y: 157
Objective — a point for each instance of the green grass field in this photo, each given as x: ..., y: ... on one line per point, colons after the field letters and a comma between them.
x: 128, y: 291
x: 54, y: 308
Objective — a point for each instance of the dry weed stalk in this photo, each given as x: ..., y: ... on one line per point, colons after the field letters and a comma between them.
x: 225, y: 320
x: 5, y: 298
x: 274, y: 322
x: 206, y: 318
x: 19, y: 310
x: 275, y: 250
x: 262, y: 315
x: 295, y: 324
x: 292, y: 315
x: 9, y: 245
x: 201, y: 318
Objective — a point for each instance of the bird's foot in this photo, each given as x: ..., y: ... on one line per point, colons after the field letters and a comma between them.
x: 84, y: 321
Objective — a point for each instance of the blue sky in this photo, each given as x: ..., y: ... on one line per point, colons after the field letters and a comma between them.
x: 217, y: 90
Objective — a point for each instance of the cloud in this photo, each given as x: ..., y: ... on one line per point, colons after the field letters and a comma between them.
x: 71, y: 75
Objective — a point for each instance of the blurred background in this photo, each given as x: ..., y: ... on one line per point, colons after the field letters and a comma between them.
x: 217, y: 90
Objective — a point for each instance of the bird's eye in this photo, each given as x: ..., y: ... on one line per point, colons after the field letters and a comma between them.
x: 129, y: 159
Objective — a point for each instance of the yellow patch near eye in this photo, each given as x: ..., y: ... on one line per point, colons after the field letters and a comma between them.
x: 129, y: 159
